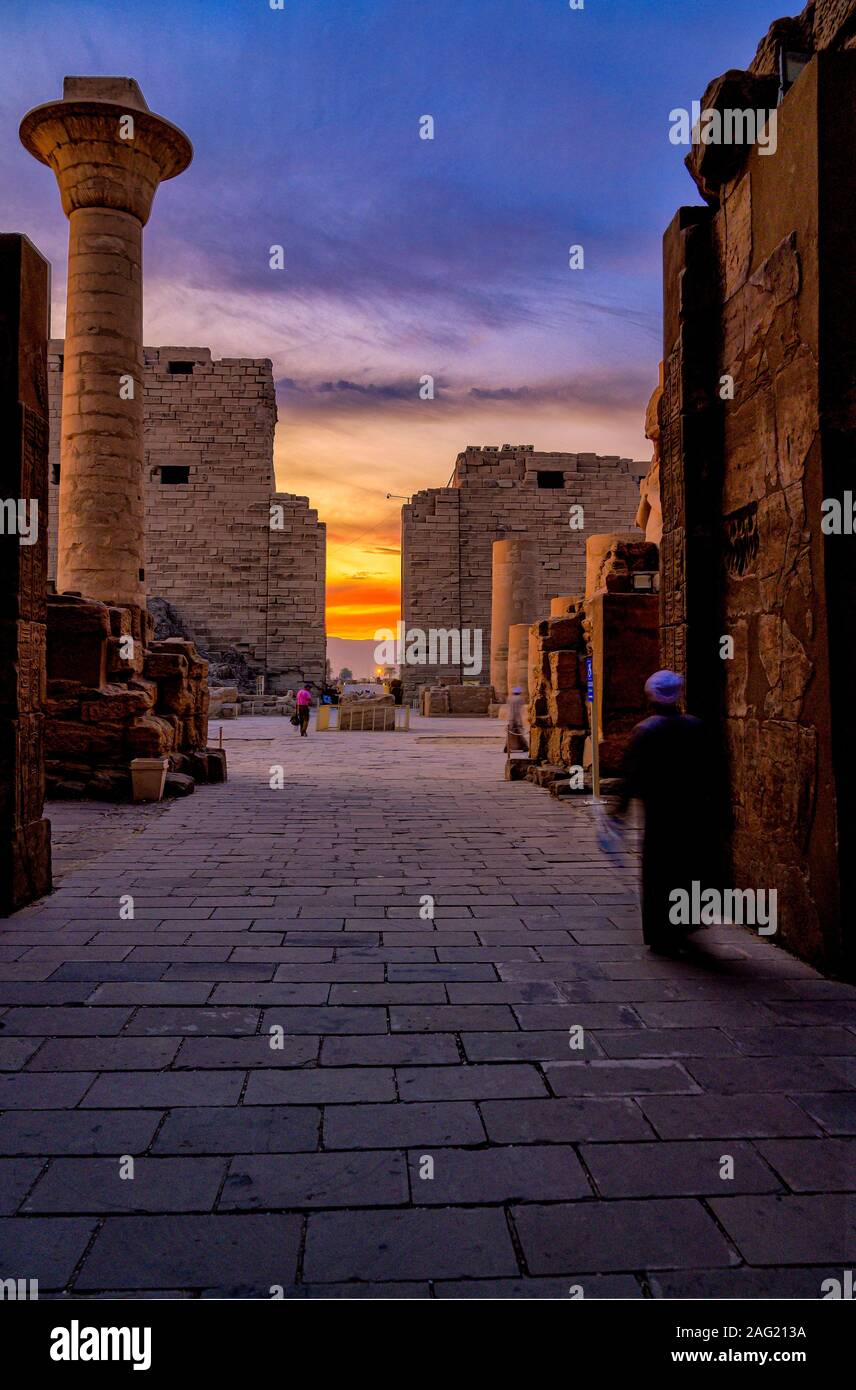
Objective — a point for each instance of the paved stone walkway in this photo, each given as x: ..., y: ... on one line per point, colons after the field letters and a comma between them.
x: 325, y: 1093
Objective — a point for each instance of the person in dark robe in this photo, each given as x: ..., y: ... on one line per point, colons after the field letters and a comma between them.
x: 670, y: 766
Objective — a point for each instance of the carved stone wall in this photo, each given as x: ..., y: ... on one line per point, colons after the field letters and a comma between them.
x: 25, y: 844
x: 758, y: 427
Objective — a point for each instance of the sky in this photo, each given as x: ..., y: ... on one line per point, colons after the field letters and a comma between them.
x: 404, y: 258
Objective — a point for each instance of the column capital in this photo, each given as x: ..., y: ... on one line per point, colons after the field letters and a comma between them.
x: 106, y: 148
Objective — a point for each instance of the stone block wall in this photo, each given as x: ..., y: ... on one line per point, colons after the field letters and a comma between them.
x: 623, y: 632
x: 558, y: 713
x: 510, y: 493
x: 114, y: 694
x: 619, y: 629
x: 759, y: 286
x: 471, y: 701
x: 240, y: 574
x: 25, y: 845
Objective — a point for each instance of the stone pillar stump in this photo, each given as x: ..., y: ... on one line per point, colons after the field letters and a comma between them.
x: 513, y: 600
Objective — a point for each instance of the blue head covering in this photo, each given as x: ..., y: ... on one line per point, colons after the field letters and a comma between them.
x: 664, y: 687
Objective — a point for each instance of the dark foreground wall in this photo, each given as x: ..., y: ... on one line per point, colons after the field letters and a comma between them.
x: 760, y: 286
x: 25, y: 853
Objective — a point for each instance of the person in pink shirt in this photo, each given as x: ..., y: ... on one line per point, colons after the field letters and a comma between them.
x: 304, y: 700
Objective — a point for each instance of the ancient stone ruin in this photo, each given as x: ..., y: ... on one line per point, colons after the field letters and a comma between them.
x: 758, y: 438
x: 466, y: 701
x: 616, y: 625
x: 504, y: 494
x: 113, y: 694
x: 241, y: 565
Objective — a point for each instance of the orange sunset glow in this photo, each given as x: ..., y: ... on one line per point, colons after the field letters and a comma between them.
x: 348, y: 464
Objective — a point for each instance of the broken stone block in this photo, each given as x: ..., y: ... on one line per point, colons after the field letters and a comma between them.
x: 217, y: 771
x: 115, y: 703
x: 548, y: 773
x: 77, y: 633
x: 196, y: 766
x: 564, y: 670
x: 159, y: 665
x: 178, y: 784
x: 109, y: 784
x: 120, y: 621
x: 566, y: 708
x: 179, y: 646
x: 119, y: 664
x: 175, y: 696
x: 558, y: 633
x: 625, y: 640
x: 711, y: 165
x: 72, y: 739
x: 150, y: 737
x: 516, y: 769
x: 60, y: 708
x: 64, y: 789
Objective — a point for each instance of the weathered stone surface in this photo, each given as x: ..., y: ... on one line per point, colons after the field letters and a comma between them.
x: 714, y: 164
x: 115, y: 702
x: 107, y: 186
x: 755, y: 295
x: 77, y: 632
x: 516, y: 769
x: 25, y: 856
x: 150, y: 737
x: 261, y: 607
x: 513, y: 494
x: 216, y: 758
x: 179, y: 784
x: 623, y: 630
x: 166, y: 665
x: 454, y: 699
x: 71, y: 738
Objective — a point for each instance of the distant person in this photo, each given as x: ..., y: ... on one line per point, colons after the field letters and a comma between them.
x: 304, y: 700
x: 517, y: 735
x: 670, y: 767
x: 289, y: 702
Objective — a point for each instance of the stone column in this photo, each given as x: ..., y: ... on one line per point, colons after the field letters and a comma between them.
x: 25, y: 844
x: 513, y: 600
x: 109, y: 153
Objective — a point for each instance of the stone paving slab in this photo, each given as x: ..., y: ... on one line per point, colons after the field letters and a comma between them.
x: 47, y: 1250
x: 620, y: 1235
x: 537, y: 1173
x: 323, y: 1091
x: 250, y: 1129
x: 191, y: 1251
x: 17, y: 1176
x: 676, y: 1168
x: 813, y: 1165
x: 154, y: 1185
x: 414, y: 1244
x: 316, y: 1180
x: 790, y: 1229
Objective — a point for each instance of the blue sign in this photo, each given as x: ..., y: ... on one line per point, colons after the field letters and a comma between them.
x: 590, y: 680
